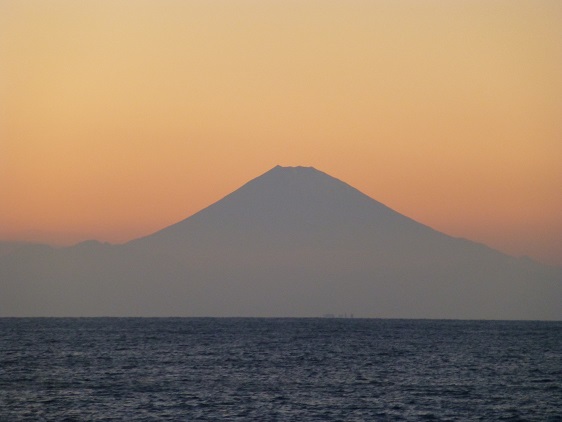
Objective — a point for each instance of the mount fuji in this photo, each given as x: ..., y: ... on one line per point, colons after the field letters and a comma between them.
x: 292, y: 242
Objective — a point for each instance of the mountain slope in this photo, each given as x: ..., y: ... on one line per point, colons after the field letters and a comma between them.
x: 292, y: 242
x: 291, y: 207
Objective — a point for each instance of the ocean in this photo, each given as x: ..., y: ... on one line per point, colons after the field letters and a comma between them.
x: 246, y: 369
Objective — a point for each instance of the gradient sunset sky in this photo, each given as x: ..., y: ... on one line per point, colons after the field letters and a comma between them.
x: 118, y: 118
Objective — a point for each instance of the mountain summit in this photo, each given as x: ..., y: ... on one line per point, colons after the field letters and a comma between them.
x: 291, y: 242
x: 288, y: 204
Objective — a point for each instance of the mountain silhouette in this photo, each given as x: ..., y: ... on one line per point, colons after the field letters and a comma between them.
x: 292, y: 242
x: 289, y: 207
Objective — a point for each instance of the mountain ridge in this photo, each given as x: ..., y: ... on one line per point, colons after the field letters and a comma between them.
x: 290, y: 242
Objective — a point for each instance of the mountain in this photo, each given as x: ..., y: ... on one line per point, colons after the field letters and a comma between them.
x: 292, y: 242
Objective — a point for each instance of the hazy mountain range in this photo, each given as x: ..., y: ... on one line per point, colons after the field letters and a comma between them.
x: 292, y: 242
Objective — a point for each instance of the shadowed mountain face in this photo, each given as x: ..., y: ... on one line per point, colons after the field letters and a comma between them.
x: 292, y: 242
x: 289, y: 208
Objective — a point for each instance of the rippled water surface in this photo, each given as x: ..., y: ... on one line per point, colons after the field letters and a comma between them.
x: 279, y: 369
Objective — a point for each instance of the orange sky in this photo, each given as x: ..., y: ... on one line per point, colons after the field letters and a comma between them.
x: 118, y: 118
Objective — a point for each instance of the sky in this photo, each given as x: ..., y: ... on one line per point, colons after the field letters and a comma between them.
x: 121, y: 117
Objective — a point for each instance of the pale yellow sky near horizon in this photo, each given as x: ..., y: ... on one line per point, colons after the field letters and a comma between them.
x: 118, y: 118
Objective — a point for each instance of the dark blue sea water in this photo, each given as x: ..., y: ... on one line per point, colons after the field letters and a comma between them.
x: 279, y: 369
